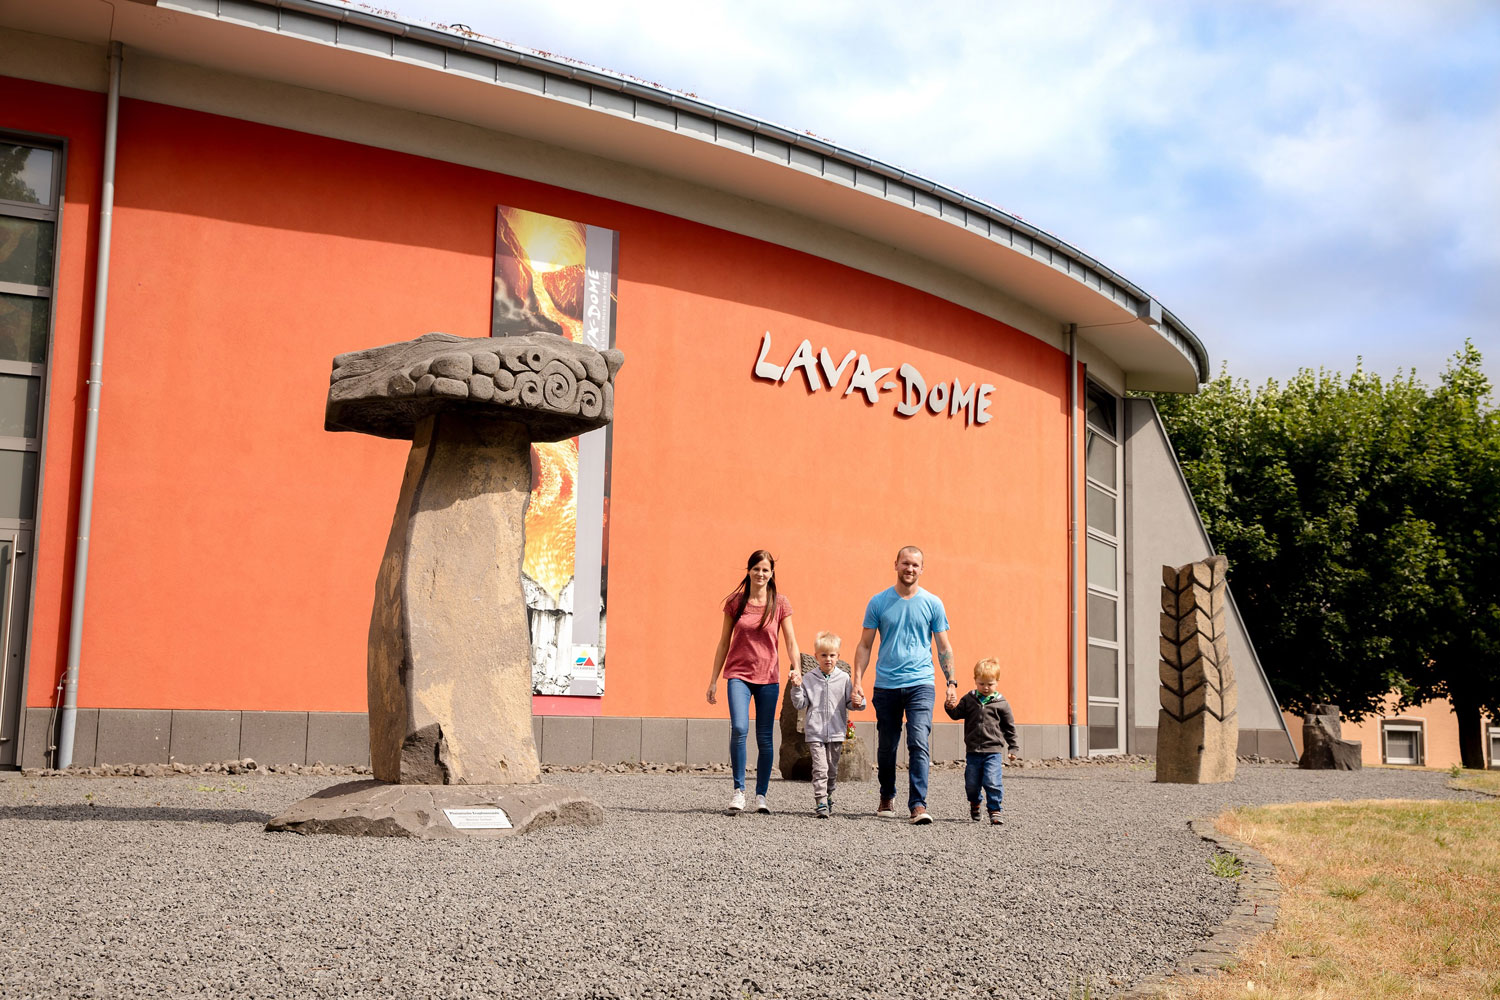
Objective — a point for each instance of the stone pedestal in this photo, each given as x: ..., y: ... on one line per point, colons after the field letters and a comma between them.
x: 795, y: 762
x: 1323, y: 745
x: 436, y: 812
x: 1198, y: 726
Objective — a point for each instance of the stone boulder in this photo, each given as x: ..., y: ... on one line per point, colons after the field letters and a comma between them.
x: 1323, y: 745
x: 795, y: 761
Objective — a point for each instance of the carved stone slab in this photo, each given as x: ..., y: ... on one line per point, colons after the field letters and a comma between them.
x: 1198, y: 726
x: 557, y: 388
x: 794, y: 759
x: 378, y: 809
x: 1323, y: 745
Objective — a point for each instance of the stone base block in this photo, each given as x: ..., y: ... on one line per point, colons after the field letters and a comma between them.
x: 1197, y: 752
x: 378, y: 809
x: 854, y: 761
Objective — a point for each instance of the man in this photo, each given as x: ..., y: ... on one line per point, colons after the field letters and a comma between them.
x: 908, y: 618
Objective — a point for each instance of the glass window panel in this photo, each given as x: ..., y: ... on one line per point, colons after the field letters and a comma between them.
x: 19, y: 395
x: 1101, y: 410
x: 18, y: 484
x: 1103, y: 569
x: 1104, y: 727
x: 1101, y: 611
x: 23, y: 328
x: 1104, y: 672
x: 1100, y: 460
x: 1099, y: 510
x: 26, y: 251
x: 26, y: 174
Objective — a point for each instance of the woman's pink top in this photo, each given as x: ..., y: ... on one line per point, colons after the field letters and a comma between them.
x: 752, y: 648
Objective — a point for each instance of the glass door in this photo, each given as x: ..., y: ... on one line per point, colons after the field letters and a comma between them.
x: 1104, y: 474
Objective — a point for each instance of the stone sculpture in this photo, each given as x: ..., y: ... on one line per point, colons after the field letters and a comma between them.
x: 1197, y: 732
x: 1323, y: 745
x: 449, y: 669
x: 796, y: 762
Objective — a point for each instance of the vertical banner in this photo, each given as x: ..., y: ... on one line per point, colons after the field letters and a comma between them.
x: 558, y: 276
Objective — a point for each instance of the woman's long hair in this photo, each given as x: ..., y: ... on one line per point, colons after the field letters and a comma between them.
x: 743, y: 590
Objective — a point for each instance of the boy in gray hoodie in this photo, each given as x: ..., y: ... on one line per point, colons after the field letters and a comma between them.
x: 824, y: 693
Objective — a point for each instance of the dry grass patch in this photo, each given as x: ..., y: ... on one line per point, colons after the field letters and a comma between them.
x: 1487, y: 782
x: 1380, y: 899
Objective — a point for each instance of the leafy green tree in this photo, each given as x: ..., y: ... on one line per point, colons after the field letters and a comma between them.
x: 1361, y: 518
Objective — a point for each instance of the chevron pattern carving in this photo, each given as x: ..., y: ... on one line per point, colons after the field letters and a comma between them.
x: 1198, y: 725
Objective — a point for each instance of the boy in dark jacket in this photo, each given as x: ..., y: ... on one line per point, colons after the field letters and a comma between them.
x: 989, y: 731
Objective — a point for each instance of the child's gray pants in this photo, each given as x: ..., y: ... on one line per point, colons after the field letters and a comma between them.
x: 825, y: 767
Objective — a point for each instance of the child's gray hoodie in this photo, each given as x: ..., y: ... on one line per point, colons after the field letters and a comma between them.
x: 827, y: 702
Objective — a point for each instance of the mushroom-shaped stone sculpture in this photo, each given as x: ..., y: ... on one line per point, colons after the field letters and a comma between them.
x: 450, y: 653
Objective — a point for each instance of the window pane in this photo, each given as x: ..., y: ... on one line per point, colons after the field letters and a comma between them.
x: 26, y: 251
x: 1102, y: 565
x: 1104, y: 673
x: 1101, y: 622
x: 1099, y: 511
x: 17, y: 484
x: 23, y: 328
x: 1101, y: 410
x: 1104, y: 727
x: 1100, y: 460
x: 26, y: 174
x: 1400, y: 746
x: 18, y: 405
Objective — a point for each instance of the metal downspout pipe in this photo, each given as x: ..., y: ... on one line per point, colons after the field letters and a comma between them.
x: 1075, y: 731
x: 91, y: 428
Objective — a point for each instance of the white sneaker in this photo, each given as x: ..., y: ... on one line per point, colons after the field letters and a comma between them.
x: 737, y: 801
x: 760, y: 805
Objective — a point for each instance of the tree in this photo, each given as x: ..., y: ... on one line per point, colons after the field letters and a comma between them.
x: 1361, y: 519
x: 1458, y: 484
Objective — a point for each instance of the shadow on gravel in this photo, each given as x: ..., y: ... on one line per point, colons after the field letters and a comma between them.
x: 133, y: 814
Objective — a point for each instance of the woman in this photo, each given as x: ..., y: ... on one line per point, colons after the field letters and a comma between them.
x: 753, y: 616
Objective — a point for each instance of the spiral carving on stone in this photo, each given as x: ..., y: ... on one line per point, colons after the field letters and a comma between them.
x: 556, y: 387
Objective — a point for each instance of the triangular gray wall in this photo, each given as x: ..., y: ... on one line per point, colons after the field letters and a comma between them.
x: 1164, y: 529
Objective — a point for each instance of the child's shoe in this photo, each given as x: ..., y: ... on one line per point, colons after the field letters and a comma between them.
x: 830, y: 804
x: 974, y: 811
x: 822, y: 809
x: 995, y: 818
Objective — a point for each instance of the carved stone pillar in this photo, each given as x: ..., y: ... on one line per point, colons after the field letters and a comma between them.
x: 1198, y: 726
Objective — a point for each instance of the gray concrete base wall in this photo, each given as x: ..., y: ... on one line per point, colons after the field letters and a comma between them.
x: 192, y: 736
x: 1273, y: 744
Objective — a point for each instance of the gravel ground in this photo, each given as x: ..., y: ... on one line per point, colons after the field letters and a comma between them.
x: 168, y: 886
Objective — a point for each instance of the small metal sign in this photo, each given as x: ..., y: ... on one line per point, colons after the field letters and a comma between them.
x: 478, y: 818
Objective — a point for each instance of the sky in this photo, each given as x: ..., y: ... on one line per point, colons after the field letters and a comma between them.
x: 1305, y: 184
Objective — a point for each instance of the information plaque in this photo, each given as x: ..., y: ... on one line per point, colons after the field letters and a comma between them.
x: 478, y: 818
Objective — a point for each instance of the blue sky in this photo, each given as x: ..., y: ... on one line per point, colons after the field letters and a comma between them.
x: 1301, y: 183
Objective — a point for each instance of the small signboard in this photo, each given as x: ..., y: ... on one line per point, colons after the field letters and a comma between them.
x: 478, y: 818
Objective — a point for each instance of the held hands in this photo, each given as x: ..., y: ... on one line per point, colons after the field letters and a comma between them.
x: 794, y: 678
x: 857, y: 700
x: 952, y: 700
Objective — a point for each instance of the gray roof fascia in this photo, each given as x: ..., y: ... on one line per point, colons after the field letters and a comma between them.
x: 1002, y: 227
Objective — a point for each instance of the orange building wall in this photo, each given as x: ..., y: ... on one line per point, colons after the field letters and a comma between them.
x: 235, y: 542
x: 1439, y: 732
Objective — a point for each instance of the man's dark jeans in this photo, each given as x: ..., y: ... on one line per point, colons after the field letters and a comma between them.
x: 890, y: 705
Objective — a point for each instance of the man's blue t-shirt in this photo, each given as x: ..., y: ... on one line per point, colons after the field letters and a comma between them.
x: 906, y: 628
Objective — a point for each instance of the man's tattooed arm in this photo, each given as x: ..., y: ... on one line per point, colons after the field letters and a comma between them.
x: 945, y: 660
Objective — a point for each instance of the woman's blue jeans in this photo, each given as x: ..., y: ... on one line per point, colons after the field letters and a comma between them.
x: 741, y: 693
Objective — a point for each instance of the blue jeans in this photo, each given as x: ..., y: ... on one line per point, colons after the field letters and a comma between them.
x: 916, y: 703
x: 740, y: 695
x: 983, y: 770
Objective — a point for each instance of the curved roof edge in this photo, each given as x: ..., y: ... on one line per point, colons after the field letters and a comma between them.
x: 466, y: 54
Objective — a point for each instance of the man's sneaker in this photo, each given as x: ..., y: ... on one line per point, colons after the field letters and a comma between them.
x: 919, y: 816
x: 974, y: 811
x: 760, y: 805
x: 887, y: 808
x: 995, y: 818
x: 822, y: 809
x: 737, y: 801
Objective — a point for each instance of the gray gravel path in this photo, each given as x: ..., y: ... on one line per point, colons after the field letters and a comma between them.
x: 145, y: 887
